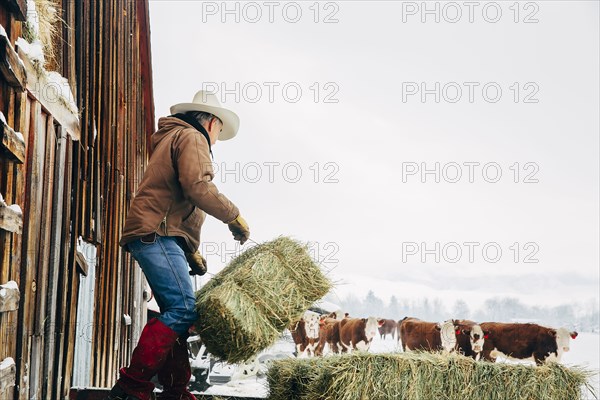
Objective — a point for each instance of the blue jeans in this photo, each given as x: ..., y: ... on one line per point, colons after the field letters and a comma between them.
x: 166, y: 269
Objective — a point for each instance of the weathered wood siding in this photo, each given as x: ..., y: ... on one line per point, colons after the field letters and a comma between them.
x: 74, y: 180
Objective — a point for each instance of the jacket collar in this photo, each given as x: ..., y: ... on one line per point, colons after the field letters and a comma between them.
x: 194, y: 122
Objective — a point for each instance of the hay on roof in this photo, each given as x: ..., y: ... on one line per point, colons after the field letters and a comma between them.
x: 44, y: 23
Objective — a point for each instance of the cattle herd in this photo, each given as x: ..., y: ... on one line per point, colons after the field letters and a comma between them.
x: 315, y: 335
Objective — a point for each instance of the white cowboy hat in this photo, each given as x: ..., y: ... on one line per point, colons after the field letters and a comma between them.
x: 208, y: 102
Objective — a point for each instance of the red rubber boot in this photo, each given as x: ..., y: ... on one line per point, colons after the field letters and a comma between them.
x: 175, y: 373
x: 148, y: 357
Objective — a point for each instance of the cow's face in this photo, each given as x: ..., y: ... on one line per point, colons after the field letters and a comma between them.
x: 563, y: 339
x: 371, y: 327
x: 322, y: 320
x: 448, y: 334
x: 311, y: 324
x: 476, y: 337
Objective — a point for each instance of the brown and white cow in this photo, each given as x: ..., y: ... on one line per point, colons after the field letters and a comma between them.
x: 470, y: 338
x: 357, y: 333
x: 387, y: 327
x: 329, y: 334
x: 305, y: 333
x: 429, y: 336
x: 525, y: 342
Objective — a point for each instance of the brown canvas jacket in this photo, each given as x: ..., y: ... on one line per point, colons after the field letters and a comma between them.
x: 173, y: 202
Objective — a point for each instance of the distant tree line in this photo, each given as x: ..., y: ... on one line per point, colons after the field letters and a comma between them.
x: 584, y: 317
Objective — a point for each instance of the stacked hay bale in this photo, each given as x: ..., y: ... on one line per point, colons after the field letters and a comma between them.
x: 420, y: 376
x: 245, y: 307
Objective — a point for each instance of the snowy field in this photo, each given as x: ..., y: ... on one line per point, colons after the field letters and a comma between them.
x: 585, y: 351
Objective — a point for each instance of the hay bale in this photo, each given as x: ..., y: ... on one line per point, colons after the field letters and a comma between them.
x: 419, y: 376
x: 245, y: 307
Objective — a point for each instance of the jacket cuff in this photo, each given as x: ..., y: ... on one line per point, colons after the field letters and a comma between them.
x: 236, y: 217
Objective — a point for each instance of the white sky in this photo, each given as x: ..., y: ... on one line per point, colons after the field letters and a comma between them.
x: 367, y: 61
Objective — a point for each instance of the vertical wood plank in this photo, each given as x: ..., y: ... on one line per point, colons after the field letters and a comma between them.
x: 67, y: 258
x: 55, y: 265
x: 38, y: 356
x: 33, y: 208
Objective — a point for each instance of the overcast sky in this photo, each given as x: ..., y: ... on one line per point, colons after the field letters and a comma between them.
x: 343, y: 105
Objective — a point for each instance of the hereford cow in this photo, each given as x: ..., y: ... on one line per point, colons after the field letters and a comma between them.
x: 525, y: 342
x: 357, y: 333
x: 305, y: 333
x: 563, y: 341
x: 470, y: 338
x: 387, y: 327
x: 430, y: 336
x: 329, y: 334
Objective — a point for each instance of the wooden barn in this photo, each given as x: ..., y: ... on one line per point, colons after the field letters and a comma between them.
x: 77, y: 112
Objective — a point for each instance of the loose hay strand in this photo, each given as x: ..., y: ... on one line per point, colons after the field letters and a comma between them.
x: 421, y: 376
x: 244, y: 308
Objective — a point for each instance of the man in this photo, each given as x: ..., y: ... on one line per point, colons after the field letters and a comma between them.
x: 162, y: 232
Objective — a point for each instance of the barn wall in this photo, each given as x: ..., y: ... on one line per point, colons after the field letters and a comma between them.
x: 74, y: 185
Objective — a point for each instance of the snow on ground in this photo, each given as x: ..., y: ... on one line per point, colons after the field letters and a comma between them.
x: 256, y: 385
x: 249, y: 387
x: 585, y: 351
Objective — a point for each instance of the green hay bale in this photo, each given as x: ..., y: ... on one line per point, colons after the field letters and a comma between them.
x: 421, y: 376
x: 245, y: 307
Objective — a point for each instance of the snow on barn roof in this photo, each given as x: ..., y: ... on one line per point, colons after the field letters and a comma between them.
x: 327, y: 306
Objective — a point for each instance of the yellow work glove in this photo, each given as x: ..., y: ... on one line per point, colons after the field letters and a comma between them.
x: 197, y: 263
x: 239, y: 228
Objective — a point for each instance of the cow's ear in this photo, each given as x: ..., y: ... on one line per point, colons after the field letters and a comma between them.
x: 574, y: 335
x: 364, y: 319
x: 438, y: 327
x: 486, y: 334
x: 466, y: 332
x: 552, y: 333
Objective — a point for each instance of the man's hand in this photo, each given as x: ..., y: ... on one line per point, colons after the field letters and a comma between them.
x: 239, y: 228
x: 197, y: 263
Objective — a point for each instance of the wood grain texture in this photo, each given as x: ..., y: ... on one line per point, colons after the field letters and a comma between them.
x: 11, y: 146
x: 11, y: 68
